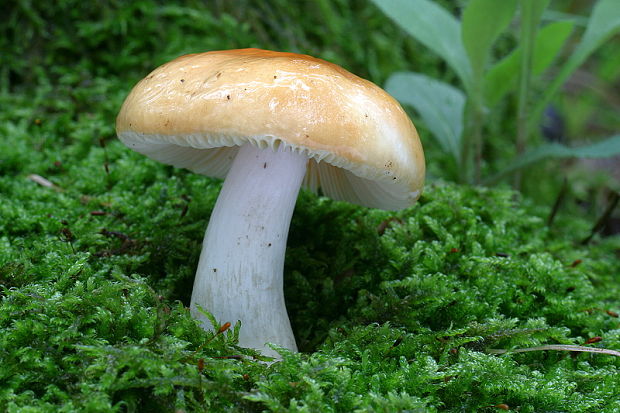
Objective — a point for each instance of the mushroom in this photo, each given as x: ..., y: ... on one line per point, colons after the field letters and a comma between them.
x: 268, y: 122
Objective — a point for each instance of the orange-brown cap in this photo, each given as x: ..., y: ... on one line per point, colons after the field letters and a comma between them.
x: 195, y: 111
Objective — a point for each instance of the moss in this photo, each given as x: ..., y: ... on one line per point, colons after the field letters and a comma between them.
x: 394, y: 310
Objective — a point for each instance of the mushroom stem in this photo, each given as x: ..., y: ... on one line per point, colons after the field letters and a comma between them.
x: 240, y: 272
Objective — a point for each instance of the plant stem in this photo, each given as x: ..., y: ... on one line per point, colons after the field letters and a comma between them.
x: 531, y: 11
x: 524, y: 84
x: 477, y: 136
x: 470, y: 162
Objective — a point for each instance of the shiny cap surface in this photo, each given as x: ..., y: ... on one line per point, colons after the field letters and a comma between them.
x: 195, y: 111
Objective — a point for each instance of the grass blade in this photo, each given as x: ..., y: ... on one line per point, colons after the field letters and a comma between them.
x: 434, y: 27
x: 503, y: 76
x: 439, y: 104
x: 603, y: 23
x: 483, y: 22
x: 602, y: 149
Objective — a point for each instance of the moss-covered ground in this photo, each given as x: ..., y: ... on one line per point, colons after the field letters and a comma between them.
x: 392, y: 311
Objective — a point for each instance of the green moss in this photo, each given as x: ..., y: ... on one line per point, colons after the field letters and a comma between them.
x: 394, y: 310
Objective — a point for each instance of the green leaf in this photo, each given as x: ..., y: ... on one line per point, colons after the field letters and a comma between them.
x: 554, y: 16
x: 549, y: 42
x: 538, y: 8
x: 603, y: 23
x: 432, y: 26
x: 483, y: 22
x: 503, y: 76
x: 602, y: 149
x: 439, y: 104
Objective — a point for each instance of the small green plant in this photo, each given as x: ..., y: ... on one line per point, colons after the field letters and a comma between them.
x: 457, y: 117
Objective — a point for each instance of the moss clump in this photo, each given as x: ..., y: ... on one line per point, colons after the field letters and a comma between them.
x: 394, y: 310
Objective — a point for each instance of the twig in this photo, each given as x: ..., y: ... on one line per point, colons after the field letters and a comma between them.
x: 602, y: 221
x: 558, y: 202
x: 43, y: 182
x: 557, y: 347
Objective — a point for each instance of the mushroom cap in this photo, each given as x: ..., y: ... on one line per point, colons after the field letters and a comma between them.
x: 195, y: 111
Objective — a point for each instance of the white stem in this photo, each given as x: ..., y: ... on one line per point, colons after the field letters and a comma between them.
x: 240, y: 271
